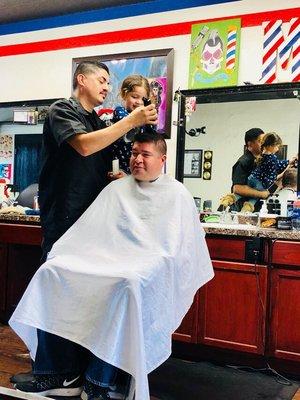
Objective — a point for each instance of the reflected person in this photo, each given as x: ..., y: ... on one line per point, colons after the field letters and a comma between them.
x: 243, y: 168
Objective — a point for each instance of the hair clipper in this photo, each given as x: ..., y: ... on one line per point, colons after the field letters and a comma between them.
x: 148, y: 128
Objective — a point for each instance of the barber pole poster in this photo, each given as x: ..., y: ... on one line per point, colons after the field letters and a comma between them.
x: 281, y: 51
x: 214, y: 54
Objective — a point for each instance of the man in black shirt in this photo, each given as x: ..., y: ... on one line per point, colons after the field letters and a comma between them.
x: 244, y: 166
x: 76, y: 154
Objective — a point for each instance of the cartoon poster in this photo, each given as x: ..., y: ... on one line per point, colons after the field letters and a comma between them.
x: 214, y: 54
x: 6, y: 157
x: 154, y: 69
x: 158, y: 93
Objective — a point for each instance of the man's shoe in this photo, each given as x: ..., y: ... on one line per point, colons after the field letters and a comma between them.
x: 94, y: 392
x: 55, y: 385
x: 22, y: 377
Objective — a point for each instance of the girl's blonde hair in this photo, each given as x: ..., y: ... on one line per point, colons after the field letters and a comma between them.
x: 131, y: 82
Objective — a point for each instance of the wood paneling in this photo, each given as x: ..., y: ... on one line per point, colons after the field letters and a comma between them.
x: 233, y: 307
x: 285, y: 314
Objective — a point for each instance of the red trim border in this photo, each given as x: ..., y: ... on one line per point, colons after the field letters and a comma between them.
x: 130, y: 35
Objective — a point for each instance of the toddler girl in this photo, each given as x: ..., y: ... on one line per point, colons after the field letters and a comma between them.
x: 133, y: 89
x: 268, y: 166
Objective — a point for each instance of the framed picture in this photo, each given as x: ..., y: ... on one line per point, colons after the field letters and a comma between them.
x: 156, y: 65
x: 281, y: 153
x: 192, y: 163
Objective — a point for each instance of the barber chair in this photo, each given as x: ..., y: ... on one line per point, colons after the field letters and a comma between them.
x: 26, y: 197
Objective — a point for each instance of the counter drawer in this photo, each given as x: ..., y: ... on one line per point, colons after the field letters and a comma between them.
x: 226, y: 249
x: 286, y: 253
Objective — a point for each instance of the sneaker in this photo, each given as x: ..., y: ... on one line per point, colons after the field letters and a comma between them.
x: 55, y: 385
x: 94, y: 392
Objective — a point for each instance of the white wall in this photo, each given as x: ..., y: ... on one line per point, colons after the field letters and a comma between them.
x: 226, y: 124
x: 48, y: 74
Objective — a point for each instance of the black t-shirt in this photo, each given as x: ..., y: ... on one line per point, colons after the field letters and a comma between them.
x: 240, y: 173
x: 243, y: 168
x: 69, y: 182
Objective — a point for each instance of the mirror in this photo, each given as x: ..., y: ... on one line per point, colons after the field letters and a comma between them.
x: 21, y: 127
x: 211, y: 138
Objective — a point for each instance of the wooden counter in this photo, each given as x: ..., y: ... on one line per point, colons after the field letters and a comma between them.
x: 250, y: 231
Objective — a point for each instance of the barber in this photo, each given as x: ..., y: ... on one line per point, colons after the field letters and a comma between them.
x: 244, y: 166
x: 76, y: 154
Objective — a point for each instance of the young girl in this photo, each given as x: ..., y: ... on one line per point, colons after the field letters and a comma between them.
x: 268, y: 166
x: 133, y: 89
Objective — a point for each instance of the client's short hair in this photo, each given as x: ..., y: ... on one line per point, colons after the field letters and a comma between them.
x: 289, y: 178
x: 252, y: 134
x: 156, y: 138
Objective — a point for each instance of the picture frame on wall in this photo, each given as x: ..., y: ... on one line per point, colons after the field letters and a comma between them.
x: 193, y: 163
x: 156, y: 65
x: 281, y: 153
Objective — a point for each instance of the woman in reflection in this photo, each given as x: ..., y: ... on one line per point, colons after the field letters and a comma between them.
x: 269, y: 168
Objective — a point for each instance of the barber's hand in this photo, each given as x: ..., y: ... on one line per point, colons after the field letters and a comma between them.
x: 143, y: 116
x: 120, y: 174
x: 264, y: 194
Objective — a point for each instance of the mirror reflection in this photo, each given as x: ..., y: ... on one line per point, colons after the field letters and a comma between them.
x: 215, y: 141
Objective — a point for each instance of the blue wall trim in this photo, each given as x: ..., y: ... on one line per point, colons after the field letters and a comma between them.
x: 104, y: 14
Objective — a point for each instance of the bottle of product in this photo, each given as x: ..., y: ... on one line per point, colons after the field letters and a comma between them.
x: 264, y: 209
x: 296, y: 215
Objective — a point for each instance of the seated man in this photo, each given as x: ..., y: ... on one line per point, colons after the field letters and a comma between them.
x: 243, y: 168
x: 116, y: 285
x: 288, y: 192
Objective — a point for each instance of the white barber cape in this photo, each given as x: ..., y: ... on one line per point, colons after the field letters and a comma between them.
x: 121, y: 279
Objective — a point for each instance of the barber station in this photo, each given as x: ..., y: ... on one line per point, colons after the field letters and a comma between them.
x: 150, y: 200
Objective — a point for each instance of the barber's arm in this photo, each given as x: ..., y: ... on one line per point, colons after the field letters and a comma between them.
x: 240, y: 175
x: 89, y: 143
x: 247, y: 191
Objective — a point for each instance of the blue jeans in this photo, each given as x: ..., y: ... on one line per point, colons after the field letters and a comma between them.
x: 254, y: 183
x: 56, y: 355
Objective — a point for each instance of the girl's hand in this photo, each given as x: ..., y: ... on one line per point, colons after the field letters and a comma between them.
x: 120, y: 174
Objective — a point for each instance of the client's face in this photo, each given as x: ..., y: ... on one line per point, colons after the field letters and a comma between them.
x: 146, y: 161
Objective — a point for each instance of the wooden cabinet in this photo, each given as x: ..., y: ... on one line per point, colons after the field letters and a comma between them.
x: 23, y: 261
x: 285, y: 253
x: 233, y: 307
x: 3, y: 273
x: 20, y: 254
x: 226, y: 248
x: 187, y: 332
x: 248, y: 308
